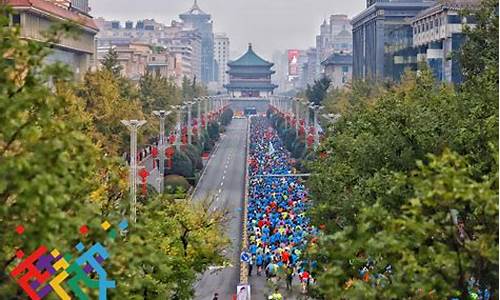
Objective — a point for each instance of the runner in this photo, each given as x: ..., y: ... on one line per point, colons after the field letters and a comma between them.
x: 278, y: 228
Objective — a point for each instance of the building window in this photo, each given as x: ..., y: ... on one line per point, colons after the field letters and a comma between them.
x: 345, y: 69
x: 16, y: 19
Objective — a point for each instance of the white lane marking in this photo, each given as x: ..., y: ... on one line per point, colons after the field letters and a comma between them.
x: 223, y: 177
x: 222, y: 183
x: 220, y: 191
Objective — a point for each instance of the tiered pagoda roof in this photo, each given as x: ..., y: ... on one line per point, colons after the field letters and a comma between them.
x: 250, y: 59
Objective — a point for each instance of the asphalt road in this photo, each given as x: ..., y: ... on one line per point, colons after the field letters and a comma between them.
x: 224, y: 180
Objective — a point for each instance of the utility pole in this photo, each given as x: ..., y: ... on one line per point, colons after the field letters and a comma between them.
x: 198, y: 116
x: 297, y: 116
x: 162, y: 115
x: 133, y: 126
x: 316, y: 109
x: 206, y: 111
x: 178, y: 132
x: 189, y: 105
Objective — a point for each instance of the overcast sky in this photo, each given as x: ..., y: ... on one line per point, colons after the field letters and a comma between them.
x: 268, y: 24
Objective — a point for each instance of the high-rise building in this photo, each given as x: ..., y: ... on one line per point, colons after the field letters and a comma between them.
x: 221, y: 52
x: 181, y: 43
x: 437, y: 34
x: 382, y: 38
x: 35, y: 17
x: 201, y: 21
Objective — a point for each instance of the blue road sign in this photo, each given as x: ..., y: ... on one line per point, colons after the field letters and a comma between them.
x: 245, y: 257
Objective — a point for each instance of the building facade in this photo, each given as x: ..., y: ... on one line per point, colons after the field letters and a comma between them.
x: 383, y: 38
x: 221, y: 52
x: 197, y: 19
x: 35, y: 17
x: 335, y: 36
x: 437, y: 35
x: 338, y: 68
x: 250, y: 76
x: 181, y: 45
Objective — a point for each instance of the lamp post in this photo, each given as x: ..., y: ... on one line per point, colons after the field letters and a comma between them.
x: 316, y: 109
x: 189, y: 105
x: 133, y: 126
x: 206, y: 111
x: 162, y: 115
x: 198, y: 116
x: 178, y: 109
x: 297, y: 116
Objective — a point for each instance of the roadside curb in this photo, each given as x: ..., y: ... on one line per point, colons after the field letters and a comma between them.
x: 244, y: 237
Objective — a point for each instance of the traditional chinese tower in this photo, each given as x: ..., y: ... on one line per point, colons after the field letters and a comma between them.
x: 250, y: 76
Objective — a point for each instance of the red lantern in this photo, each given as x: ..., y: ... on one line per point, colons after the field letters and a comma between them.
x: 195, y: 130
x: 310, y: 140
x: 302, y: 130
x: 143, y: 173
x: 169, y: 152
x: 184, y: 130
x: 184, y: 139
x: 203, y: 121
x: 171, y: 139
x: 154, y: 153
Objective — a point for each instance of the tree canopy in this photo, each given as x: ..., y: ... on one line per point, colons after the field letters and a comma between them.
x: 409, y: 180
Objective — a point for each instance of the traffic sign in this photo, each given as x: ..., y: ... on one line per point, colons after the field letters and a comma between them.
x: 245, y: 257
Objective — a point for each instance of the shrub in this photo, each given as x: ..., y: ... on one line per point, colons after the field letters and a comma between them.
x: 181, y: 165
x: 194, y: 155
x: 174, y: 183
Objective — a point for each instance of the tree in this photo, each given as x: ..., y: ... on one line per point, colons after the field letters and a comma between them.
x: 100, y: 92
x: 318, y: 91
x: 172, y: 242
x: 110, y: 62
x: 409, y: 178
x: 46, y: 161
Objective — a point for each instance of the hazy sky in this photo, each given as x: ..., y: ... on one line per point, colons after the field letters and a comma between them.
x: 268, y: 24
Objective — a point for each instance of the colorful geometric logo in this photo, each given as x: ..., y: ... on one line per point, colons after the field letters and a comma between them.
x: 42, y: 273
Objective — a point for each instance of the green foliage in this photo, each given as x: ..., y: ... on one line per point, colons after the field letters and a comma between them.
x: 111, y: 64
x: 46, y: 161
x: 100, y: 93
x: 226, y: 117
x: 181, y: 165
x: 409, y: 178
x: 213, y: 131
x: 194, y: 155
x: 174, y: 182
x: 171, y: 243
x: 318, y: 91
x: 157, y: 92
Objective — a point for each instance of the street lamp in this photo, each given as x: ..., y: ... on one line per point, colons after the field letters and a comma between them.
x: 189, y: 105
x: 178, y: 109
x: 297, y: 116
x: 133, y: 126
x: 162, y: 115
x: 316, y: 109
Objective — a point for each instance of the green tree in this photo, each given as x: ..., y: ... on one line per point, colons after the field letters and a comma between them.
x: 46, y: 161
x: 111, y: 63
x: 409, y: 178
x: 318, y: 91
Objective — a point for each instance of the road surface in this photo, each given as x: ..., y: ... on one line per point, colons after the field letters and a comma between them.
x: 224, y: 179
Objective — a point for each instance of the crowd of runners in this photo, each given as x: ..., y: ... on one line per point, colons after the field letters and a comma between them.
x: 278, y: 229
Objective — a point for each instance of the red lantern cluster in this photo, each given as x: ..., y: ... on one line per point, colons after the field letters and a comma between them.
x: 169, y: 153
x: 154, y: 153
x: 143, y: 173
x: 310, y: 140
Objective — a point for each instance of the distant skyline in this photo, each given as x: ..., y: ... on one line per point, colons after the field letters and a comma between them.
x: 269, y: 25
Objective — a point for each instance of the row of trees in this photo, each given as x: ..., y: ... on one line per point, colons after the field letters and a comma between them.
x: 60, y: 168
x: 409, y: 179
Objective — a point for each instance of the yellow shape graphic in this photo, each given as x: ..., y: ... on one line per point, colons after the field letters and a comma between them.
x: 56, y: 282
x: 55, y: 253
x: 105, y: 225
